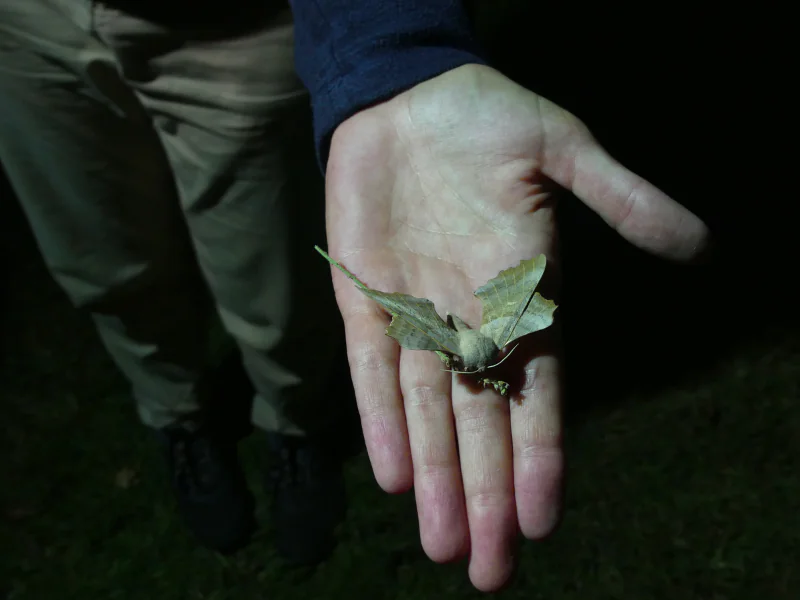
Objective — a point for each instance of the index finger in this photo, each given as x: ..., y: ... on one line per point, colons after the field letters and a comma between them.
x: 374, y: 360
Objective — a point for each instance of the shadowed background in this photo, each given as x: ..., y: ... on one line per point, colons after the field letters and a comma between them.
x: 682, y: 382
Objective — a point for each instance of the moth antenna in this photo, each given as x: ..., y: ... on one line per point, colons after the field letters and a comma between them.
x: 519, y: 316
x: 502, y: 360
x: 360, y: 284
x: 489, y: 367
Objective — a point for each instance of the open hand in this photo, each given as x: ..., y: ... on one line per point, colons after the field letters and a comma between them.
x: 432, y: 193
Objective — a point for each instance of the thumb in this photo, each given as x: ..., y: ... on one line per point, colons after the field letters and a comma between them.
x: 636, y: 209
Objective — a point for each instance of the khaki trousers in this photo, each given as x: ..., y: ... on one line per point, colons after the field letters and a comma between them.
x: 157, y: 163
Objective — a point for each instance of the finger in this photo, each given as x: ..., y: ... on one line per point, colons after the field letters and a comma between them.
x: 638, y: 210
x: 437, y: 474
x: 483, y: 428
x: 536, y: 431
x: 374, y: 362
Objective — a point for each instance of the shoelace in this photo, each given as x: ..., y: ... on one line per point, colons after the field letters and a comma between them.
x: 192, y: 461
x: 284, y: 470
x: 293, y: 465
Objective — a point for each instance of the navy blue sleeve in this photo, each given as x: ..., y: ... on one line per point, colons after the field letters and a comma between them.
x: 351, y: 54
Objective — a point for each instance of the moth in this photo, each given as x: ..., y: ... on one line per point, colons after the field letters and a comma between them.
x: 511, y: 308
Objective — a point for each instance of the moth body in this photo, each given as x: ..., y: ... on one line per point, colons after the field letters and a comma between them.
x: 477, y: 350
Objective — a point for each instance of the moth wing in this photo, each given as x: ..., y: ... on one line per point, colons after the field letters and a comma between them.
x: 511, y: 306
x: 415, y: 323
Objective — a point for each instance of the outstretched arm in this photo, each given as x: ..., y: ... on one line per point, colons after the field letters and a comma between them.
x: 438, y: 169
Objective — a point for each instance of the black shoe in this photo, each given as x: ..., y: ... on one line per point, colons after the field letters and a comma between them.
x: 210, y: 488
x: 308, y: 498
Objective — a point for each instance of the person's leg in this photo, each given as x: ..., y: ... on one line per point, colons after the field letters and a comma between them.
x: 93, y: 180
x: 97, y: 188
x: 234, y: 120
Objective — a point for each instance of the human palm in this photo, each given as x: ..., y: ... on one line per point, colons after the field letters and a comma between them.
x: 432, y: 193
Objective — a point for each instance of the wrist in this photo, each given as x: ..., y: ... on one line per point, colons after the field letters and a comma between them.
x: 353, y: 55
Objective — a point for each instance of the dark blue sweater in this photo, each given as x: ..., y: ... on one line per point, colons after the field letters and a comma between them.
x: 351, y: 54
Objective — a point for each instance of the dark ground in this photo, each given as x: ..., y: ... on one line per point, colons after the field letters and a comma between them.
x: 684, y: 431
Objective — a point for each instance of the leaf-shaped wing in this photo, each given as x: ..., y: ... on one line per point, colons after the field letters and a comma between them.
x: 415, y: 323
x: 511, y: 307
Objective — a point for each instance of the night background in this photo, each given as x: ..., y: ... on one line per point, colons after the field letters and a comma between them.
x: 683, y: 428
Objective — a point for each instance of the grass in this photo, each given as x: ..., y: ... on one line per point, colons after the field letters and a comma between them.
x: 687, y: 489
x: 683, y: 423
